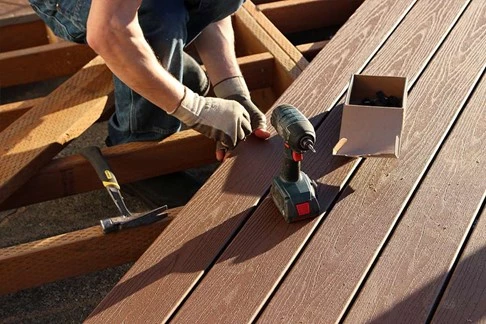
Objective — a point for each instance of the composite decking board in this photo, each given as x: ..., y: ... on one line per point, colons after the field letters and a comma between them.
x: 264, y: 249
x: 42, y: 62
x: 464, y: 300
x: 35, y: 138
x: 177, y: 259
x: 410, y: 273
x: 325, y: 278
x: 277, y: 36
x: 73, y: 254
x: 313, y: 14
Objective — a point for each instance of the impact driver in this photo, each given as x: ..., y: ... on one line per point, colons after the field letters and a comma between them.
x: 292, y: 191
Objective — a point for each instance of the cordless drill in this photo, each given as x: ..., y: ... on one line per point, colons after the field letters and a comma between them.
x: 292, y: 190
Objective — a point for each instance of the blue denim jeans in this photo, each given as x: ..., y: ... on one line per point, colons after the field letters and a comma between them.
x: 168, y: 25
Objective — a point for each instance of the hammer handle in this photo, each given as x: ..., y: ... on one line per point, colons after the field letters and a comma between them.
x: 95, y: 157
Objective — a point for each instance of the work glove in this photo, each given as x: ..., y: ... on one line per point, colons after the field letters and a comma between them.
x: 225, y: 121
x: 235, y: 88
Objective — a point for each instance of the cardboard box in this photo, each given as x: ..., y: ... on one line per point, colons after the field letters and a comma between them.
x: 372, y: 130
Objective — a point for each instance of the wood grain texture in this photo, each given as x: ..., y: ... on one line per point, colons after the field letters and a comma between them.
x: 35, y: 138
x: 73, y: 174
x: 257, y: 259
x: 464, y: 300
x: 413, y: 268
x: 72, y: 254
x: 43, y: 62
x: 313, y: 14
x: 12, y: 111
x: 177, y: 259
x: 277, y: 35
x: 261, y: 41
x: 323, y: 281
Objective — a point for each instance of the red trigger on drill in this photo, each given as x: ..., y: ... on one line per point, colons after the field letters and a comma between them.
x: 297, y: 156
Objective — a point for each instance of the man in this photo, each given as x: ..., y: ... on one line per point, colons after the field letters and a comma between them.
x: 142, y: 43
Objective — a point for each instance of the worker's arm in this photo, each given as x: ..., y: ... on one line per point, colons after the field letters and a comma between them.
x: 216, y: 47
x: 114, y: 33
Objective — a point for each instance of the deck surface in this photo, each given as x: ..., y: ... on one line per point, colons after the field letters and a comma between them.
x: 399, y: 240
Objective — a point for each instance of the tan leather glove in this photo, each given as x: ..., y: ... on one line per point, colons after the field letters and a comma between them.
x: 235, y: 89
x: 225, y: 121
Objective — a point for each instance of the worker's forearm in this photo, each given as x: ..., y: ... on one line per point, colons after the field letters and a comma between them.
x: 216, y: 47
x: 118, y: 38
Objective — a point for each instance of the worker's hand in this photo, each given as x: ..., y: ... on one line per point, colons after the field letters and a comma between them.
x: 225, y: 121
x: 235, y: 89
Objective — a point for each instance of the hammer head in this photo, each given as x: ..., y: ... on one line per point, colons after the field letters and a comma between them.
x: 115, y: 224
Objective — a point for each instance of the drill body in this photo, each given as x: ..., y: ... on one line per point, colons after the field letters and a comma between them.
x: 292, y: 190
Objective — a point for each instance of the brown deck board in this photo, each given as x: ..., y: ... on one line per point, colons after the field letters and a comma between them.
x: 266, y: 245
x: 177, y: 259
x: 410, y: 273
x: 465, y: 298
x: 323, y: 281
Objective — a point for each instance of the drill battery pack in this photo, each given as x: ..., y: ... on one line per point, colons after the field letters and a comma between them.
x: 295, y: 200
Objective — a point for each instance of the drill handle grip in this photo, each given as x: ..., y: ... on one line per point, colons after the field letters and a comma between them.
x: 290, y: 171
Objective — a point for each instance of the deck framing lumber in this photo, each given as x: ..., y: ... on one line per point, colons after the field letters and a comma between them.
x: 276, y: 35
x: 346, y: 245
x: 43, y: 62
x: 12, y: 111
x: 313, y: 14
x: 226, y: 200
x: 35, y: 138
x: 72, y: 254
x: 22, y: 35
x: 427, y: 241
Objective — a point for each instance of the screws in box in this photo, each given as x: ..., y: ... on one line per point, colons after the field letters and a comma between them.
x: 382, y: 99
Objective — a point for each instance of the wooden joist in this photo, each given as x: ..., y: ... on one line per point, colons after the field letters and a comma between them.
x: 43, y: 62
x: 312, y: 14
x: 35, y: 138
x: 73, y: 254
x: 22, y: 35
x: 73, y: 174
x: 11, y: 112
x: 230, y: 195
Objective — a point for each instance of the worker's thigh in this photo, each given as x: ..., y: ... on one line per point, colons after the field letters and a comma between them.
x: 204, y: 12
x: 66, y: 18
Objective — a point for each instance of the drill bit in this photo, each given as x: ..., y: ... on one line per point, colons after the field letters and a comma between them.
x: 308, y: 144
